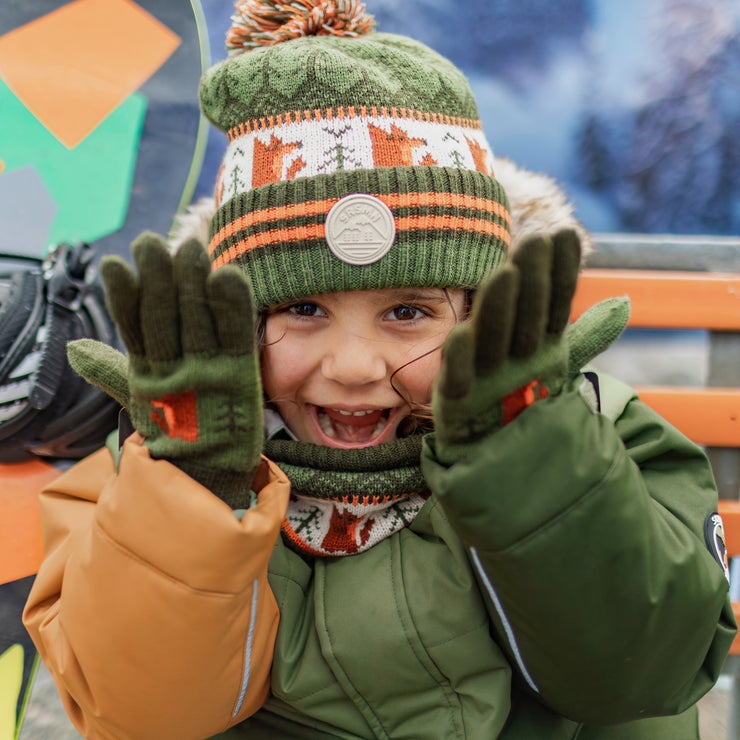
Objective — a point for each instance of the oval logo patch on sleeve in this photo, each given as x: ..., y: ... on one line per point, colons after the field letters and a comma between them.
x: 714, y: 534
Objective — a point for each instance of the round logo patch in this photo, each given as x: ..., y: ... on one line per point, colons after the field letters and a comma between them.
x: 360, y: 229
x: 714, y: 534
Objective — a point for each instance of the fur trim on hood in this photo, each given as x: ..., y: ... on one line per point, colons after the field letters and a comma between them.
x: 538, y: 205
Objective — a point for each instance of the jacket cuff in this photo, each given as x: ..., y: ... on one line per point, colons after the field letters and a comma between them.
x: 517, y: 480
x: 153, y: 509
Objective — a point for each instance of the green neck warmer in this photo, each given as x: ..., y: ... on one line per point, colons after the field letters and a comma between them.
x: 345, y: 501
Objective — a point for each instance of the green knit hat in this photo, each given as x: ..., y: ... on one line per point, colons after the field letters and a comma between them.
x: 355, y: 159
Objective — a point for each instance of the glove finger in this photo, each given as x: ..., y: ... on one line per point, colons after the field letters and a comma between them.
x: 534, y: 261
x: 596, y: 330
x: 160, y: 323
x: 122, y: 300
x: 197, y: 327
x: 566, y: 261
x: 232, y: 306
x: 493, y: 319
x: 101, y: 365
x: 457, y: 371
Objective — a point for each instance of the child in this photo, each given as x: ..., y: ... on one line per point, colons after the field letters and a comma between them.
x: 535, y: 567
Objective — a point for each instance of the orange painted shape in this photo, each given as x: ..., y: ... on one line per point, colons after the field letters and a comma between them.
x: 72, y: 67
x: 669, y: 300
x: 708, y: 416
x: 21, y: 542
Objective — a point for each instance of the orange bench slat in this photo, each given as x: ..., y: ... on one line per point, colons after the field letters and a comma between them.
x: 708, y: 416
x: 665, y: 299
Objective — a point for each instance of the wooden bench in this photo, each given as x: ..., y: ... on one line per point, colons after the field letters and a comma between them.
x: 679, y: 300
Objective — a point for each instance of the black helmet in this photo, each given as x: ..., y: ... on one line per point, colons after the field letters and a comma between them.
x: 45, y: 407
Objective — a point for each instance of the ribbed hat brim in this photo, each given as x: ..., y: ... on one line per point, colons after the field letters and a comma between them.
x: 276, y: 233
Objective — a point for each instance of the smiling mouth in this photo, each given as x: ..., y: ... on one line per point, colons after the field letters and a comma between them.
x: 360, y: 428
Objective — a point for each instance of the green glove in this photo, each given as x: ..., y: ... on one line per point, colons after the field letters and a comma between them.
x: 193, y: 389
x: 516, y: 348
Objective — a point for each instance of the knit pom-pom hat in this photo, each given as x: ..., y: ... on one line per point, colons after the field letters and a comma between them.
x: 355, y: 159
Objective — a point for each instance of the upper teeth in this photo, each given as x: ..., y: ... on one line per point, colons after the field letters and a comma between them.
x: 354, y: 413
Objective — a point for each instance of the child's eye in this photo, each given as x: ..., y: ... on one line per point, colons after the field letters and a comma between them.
x: 405, y: 313
x: 305, y: 309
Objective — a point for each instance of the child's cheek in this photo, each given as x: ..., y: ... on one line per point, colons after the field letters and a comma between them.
x: 285, y: 368
x: 418, y: 378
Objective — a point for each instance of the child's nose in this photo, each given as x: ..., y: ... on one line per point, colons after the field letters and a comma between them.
x: 354, y: 362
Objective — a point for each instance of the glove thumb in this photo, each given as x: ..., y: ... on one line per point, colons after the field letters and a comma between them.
x: 596, y: 330
x: 101, y: 365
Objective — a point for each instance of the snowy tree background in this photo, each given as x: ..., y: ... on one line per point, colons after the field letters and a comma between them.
x: 633, y: 106
x: 669, y: 161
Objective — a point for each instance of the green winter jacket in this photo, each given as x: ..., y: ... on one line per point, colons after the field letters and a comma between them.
x: 557, y: 584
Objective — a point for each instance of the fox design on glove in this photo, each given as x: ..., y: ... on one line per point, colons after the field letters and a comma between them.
x: 177, y: 416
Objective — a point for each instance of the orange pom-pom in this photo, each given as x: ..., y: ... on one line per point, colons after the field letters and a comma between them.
x: 267, y: 22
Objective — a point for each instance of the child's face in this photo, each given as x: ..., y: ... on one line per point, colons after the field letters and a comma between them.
x: 328, y: 359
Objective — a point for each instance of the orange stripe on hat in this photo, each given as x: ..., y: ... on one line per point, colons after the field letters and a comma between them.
x: 427, y: 222
x: 392, y: 200
x: 266, y: 215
